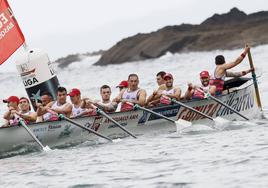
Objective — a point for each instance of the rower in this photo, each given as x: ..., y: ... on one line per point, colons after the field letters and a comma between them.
x: 161, y: 86
x: 198, y: 92
x: 75, y: 96
x: 61, y: 106
x: 131, y: 95
x: 106, y: 104
x: 10, y: 116
x: 171, y: 91
x: 221, y: 70
x: 174, y: 92
x: 42, y: 114
x: 25, y: 111
x: 122, y: 85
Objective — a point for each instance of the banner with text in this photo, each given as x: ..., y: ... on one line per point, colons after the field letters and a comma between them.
x: 11, y: 37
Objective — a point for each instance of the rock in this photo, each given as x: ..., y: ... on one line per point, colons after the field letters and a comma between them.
x: 69, y: 59
x: 225, y: 31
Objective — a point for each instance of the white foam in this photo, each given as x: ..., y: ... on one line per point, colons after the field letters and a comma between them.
x: 182, y: 124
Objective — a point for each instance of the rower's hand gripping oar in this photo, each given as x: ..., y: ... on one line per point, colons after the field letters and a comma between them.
x: 99, y: 111
x: 208, y: 95
x: 22, y: 123
x: 61, y: 116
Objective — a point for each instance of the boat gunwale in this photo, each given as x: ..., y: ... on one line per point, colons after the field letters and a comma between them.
x: 154, y: 107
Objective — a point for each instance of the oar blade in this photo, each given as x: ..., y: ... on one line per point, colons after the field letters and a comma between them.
x: 220, y: 123
x: 47, y: 148
x: 117, y: 140
x: 182, y: 124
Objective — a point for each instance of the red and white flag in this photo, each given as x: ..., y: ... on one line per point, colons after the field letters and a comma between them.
x: 11, y: 37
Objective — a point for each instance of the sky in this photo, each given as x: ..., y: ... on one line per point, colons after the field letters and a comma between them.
x: 63, y: 27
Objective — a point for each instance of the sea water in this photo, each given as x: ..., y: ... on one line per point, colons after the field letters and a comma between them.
x: 236, y: 156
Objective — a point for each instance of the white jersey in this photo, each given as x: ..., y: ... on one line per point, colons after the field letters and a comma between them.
x: 130, y: 95
x: 47, y: 116
x: 56, y: 105
x: 76, y: 111
x: 169, y: 92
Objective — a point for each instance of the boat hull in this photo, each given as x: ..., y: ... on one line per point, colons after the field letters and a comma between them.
x: 61, y: 133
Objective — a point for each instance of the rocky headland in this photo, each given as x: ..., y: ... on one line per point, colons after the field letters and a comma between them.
x: 221, y: 31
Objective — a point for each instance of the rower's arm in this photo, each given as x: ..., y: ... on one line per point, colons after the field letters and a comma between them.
x: 31, y: 117
x: 233, y: 74
x: 40, y: 110
x: 107, y: 107
x: 212, y: 90
x: 142, y: 98
x: 67, y: 110
x: 7, y: 115
x: 227, y: 66
x: 119, y: 97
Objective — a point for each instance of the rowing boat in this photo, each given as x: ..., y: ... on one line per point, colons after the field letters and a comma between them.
x: 240, y: 96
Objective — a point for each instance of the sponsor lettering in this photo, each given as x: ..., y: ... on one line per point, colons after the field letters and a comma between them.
x: 51, y: 127
x: 239, y: 103
x: 168, y: 111
x: 189, y: 115
x: 3, y: 20
x: 5, y: 27
x: 40, y: 129
x: 6, y: 30
x: 30, y: 81
x: 123, y: 118
x: 95, y: 124
x: 52, y: 71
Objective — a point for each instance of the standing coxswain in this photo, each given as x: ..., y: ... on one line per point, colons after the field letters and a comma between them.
x: 221, y: 72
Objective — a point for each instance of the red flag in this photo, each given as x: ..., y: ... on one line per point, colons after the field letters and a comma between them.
x: 11, y: 37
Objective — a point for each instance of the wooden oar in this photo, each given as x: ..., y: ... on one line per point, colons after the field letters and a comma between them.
x: 223, y: 104
x: 22, y: 123
x: 254, y: 81
x: 61, y: 116
x: 115, y: 122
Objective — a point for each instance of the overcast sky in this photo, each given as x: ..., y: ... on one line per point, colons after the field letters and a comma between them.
x: 62, y: 27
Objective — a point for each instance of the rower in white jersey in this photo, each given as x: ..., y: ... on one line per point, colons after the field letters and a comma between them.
x: 163, y: 97
x: 75, y: 96
x: 131, y: 95
x: 106, y: 104
x: 42, y: 113
x: 199, y: 91
x: 61, y: 106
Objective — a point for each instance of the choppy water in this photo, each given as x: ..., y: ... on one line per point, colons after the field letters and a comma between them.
x: 234, y: 157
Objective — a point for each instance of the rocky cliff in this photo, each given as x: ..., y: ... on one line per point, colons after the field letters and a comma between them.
x: 225, y: 31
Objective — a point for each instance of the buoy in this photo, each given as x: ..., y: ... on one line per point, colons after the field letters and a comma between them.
x: 37, y: 74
